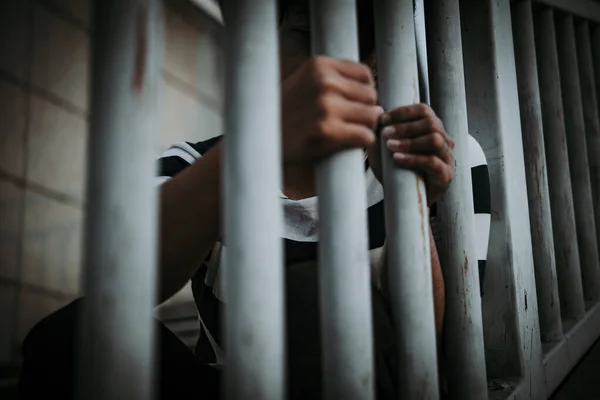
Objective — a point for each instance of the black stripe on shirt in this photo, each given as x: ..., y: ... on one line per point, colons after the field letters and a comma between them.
x: 480, y: 178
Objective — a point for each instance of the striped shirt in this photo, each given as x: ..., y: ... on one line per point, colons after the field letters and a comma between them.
x: 300, y: 235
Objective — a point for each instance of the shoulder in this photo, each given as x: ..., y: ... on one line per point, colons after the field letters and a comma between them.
x: 181, y: 155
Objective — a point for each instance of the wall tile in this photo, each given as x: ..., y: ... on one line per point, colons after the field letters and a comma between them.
x: 11, y: 207
x: 78, y: 9
x: 193, y: 53
x: 57, y: 146
x: 14, y: 37
x: 13, y: 114
x: 52, y: 244
x: 60, y: 58
x: 184, y: 118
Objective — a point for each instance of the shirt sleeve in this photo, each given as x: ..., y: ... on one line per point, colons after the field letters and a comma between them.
x: 180, y: 156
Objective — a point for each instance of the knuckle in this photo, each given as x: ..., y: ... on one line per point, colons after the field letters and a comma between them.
x: 325, y: 129
x: 325, y: 105
x: 364, y: 71
x: 424, y: 110
x: 371, y: 95
x: 318, y: 61
x: 373, y: 116
x: 429, y: 125
x: 437, y: 141
x: 327, y: 83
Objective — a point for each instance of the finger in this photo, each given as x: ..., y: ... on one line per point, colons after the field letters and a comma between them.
x: 437, y: 172
x: 344, y: 135
x: 416, y: 128
x: 354, y: 71
x: 351, y: 89
x: 412, y: 112
x: 433, y: 143
x: 358, y: 113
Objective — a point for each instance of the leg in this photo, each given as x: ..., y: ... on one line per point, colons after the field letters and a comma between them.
x: 49, y: 355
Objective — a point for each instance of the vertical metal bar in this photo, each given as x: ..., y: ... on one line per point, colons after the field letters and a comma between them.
x: 253, y: 270
x: 559, y: 177
x: 535, y: 169
x: 407, y: 225
x: 463, y: 325
x: 596, y: 63
x: 591, y: 287
x: 578, y: 156
x: 510, y: 312
x: 116, y: 337
x: 343, y: 246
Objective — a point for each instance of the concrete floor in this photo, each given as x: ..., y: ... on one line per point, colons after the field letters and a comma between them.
x: 584, y: 381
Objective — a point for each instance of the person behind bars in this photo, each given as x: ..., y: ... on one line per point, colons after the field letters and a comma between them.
x: 328, y: 105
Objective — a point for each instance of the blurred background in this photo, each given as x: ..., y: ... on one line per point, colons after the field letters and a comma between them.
x: 44, y: 87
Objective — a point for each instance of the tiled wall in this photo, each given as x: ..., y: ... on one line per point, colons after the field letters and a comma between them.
x: 44, y: 71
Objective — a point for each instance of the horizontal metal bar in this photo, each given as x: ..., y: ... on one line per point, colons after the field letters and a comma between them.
x: 587, y: 9
x: 559, y: 361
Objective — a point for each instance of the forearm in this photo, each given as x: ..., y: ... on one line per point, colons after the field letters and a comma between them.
x: 190, y: 209
x: 439, y: 296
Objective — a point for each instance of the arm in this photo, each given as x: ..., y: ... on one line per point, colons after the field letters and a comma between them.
x: 190, y: 209
x: 374, y: 155
x: 439, y: 291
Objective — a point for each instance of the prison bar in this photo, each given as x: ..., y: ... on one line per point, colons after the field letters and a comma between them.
x: 253, y: 268
x: 116, y: 335
x: 595, y: 33
x: 535, y: 168
x: 407, y: 225
x: 344, y: 288
x: 513, y: 346
x: 463, y: 327
x: 559, y: 176
x: 592, y: 136
x: 578, y: 156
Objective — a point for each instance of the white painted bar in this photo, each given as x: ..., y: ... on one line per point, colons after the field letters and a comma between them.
x: 596, y: 58
x: 510, y: 312
x: 592, y: 138
x: 463, y: 327
x: 345, y: 292
x: 559, y: 177
x: 578, y: 156
x: 116, y: 357
x: 253, y: 220
x: 535, y: 169
x: 407, y: 225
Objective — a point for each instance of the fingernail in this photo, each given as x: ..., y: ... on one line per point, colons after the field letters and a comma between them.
x: 392, y: 144
x: 399, y: 156
x: 388, y: 132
